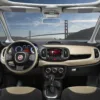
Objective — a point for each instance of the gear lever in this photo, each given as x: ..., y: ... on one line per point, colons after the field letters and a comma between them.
x: 51, y: 79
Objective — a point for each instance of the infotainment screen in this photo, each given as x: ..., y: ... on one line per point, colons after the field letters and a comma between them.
x: 54, y: 52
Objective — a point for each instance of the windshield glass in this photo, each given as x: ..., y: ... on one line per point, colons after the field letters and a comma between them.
x: 30, y: 26
x: 54, y: 1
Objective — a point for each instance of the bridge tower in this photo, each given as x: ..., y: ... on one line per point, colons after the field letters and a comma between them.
x: 66, y: 29
x: 30, y: 35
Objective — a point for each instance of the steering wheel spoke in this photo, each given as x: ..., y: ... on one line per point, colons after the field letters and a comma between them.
x: 32, y: 57
x: 8, y: 57
x: 19, y: 68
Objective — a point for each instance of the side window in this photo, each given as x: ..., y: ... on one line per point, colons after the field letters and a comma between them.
x: 2, y: 34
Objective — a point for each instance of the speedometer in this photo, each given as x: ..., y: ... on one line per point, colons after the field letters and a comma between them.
x: 18, y: 49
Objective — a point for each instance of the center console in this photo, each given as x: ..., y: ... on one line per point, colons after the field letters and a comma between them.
x: 53, y: 81
x: 54, y: 54
x: 54, y: 74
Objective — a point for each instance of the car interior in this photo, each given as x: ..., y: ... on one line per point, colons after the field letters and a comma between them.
x: 49, y: 49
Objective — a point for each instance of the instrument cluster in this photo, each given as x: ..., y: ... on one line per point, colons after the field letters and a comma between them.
x: 24, y: 48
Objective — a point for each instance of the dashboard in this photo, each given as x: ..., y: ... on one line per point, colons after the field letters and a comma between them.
x: 69, y: 55
x: 57, y: 54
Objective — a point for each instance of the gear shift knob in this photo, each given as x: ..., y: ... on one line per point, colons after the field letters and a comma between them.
x: 51, y: 78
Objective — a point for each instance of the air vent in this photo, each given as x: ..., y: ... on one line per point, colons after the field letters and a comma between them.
x: 54, y: 42
x: 77, y: 57
x: 96, y: 52
x: 43, y: 53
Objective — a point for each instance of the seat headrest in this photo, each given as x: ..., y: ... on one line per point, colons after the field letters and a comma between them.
x: 83, y: 89
x: 19, y: 90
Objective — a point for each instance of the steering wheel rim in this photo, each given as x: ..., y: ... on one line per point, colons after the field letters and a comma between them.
x: 26, y: 70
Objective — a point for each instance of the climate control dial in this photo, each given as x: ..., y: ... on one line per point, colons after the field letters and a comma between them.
x: 48, y: 70
x: 61, y: 70
x: 54, y: 70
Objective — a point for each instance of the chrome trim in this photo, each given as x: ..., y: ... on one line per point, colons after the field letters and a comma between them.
x: 50, y: 97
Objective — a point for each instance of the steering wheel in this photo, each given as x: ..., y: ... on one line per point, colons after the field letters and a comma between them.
x: 20, y: 62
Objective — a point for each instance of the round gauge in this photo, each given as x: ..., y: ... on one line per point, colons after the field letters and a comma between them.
x: 32, y: 50
x: 18, y: 49
x: 24, y: 46
x: 28, y: 46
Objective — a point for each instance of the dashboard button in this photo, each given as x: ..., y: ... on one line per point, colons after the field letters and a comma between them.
x: 48, y: 70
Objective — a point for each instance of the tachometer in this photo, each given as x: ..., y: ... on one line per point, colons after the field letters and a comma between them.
x: 18, y: 49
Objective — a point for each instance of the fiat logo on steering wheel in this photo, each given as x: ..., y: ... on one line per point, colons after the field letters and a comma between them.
x: 20, y: 57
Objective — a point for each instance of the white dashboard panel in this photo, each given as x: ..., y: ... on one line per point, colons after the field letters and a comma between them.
x: 75, y: 50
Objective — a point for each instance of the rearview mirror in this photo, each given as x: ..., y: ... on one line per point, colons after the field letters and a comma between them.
x: 51, y: 20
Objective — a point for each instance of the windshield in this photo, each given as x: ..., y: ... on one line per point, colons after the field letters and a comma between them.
x: 54, y: 1
x: 30, y: 26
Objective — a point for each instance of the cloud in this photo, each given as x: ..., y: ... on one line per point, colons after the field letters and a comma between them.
x: 10, y: 15
x: 28, y: 19
x: 20, y: 24
x: 37, y: 23
x: 83, y: 21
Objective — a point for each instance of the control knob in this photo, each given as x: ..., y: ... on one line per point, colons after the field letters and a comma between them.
x: 61, y: 70
x: 54, y: 70
x: 48, y: 70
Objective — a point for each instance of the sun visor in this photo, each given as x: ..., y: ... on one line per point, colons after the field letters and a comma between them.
x: 81, y: 9
x: 19, y: 9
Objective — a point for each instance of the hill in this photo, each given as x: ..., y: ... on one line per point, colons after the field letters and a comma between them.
x: 81, y: 35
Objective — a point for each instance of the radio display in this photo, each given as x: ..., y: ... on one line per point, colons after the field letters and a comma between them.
x: 54, y: 52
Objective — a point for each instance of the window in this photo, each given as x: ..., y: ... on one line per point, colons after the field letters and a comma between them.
x: 26, y: 25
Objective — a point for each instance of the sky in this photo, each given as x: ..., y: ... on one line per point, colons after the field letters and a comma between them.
x: 21, y: 23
